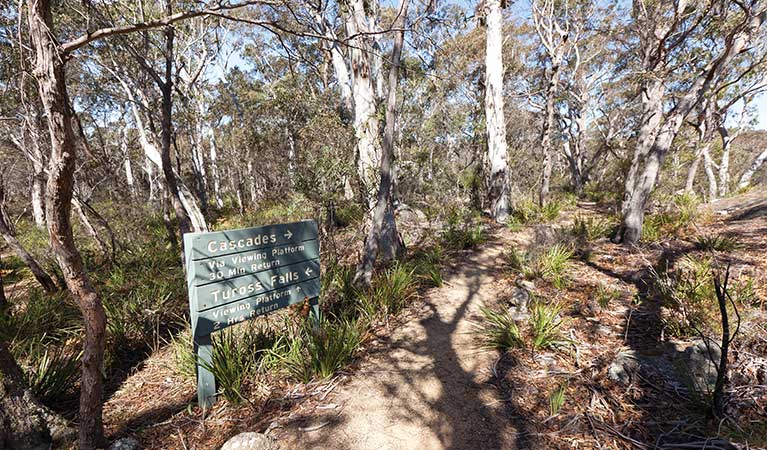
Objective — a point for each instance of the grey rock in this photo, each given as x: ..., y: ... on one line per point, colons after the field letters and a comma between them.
x: 127, y: 443
x: 622, y: 367
x: 527, y: 285
x: 701, y: 363
x: 249, y: 441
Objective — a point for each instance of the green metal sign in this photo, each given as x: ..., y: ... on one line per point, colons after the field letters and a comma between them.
x: 237, y: 275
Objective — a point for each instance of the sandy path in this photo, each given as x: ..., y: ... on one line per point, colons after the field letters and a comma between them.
x: 428, y: 387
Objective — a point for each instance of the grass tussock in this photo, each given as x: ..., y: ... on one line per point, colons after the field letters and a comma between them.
x: 551, y: 264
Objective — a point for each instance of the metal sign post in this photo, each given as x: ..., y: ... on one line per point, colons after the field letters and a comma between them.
x: 238, y: 275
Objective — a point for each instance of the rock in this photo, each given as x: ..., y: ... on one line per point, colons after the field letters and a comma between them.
x: 700, y: 367
x: 527, y: 285
x: 127, y: 443
x: 249, y: 441
x: 621, y: 368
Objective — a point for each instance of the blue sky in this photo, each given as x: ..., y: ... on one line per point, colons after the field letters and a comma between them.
x: 761, y: 111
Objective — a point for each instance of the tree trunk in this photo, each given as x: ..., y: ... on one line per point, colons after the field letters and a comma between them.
x: 498, y: 176
x: 366, y: 125
x: 383, y: 237
x: 708, y: 166
x: 724, y: 164
x: 692, y: 172
x: 166, y: 124
x: 38, y: 174
x: 745, y: 179
x: 49, y: 72
x: 548, y: 126
x: 3, y: 300
x: 126, y: 159
x: 214, y: 168
x: 89, y: 228
x: 41, y: 276
x: 25, y: 423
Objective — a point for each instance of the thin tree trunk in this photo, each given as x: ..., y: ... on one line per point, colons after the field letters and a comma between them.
x: 692, y: 172
x: 708, y: 166
x: 214, y: 168
x: 498, y: 176
x: 745, y: 179
x: 383, y: 237
x: 166, y: 124
x: 548, y: 126
x: 89, y: 228
x: 724, y: 164
x: 3, y: 300
x: 40, y: 275
x: 25, y: 423
x: 49, y: 72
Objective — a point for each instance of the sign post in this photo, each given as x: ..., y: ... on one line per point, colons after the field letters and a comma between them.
x: 238, y: 275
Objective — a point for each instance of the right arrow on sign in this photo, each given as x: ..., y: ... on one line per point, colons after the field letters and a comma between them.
x: 288, y: 234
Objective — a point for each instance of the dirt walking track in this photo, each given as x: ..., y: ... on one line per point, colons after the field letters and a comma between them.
x: 430, y: 387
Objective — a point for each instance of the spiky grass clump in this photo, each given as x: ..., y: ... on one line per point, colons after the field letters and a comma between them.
x: 605, y: 295
x: 52, y: 373
x: 590, y: 228
x: 316, y: 350
x: 545, y: 325
x: 235, y: 357
x: 719, y: 243
x: 554, y: 262
x: 498, y: 330
x: 557, y: 399
x: 392, y: 290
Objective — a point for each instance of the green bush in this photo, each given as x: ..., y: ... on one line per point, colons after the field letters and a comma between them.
x: 498, y: 330
x: 391, y: 290
x: 463, y: 230
x: 52, y: 373
x: 551, y: 264
x: 719, y: 243
x: 316, y: 350
x: 557, y: 399
x: 605, y: 295
x: 427, y: 266
x: 546, y: 324
x: 590, y: 228
x: 529, y: 212
x: 236, y: 352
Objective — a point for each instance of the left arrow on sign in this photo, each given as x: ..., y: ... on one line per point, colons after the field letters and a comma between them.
x: 308, y: 272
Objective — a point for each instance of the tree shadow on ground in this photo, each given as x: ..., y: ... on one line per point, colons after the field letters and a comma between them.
x: 424, y: 377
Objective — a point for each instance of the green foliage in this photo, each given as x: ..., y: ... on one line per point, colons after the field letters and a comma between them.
x: 498, y: 330
x: 678, y: 214
x: 391, y: 290
x: 545, y: 325
x: 236, y: 352
x: 557, y: 399
x: 349, y: 213
x: 52, y: 373
x: 688, y: 294
x: 427, y: 266
x: 46, y: 319
x: 719, y: 242
x: 316, y: 351
x: 463, y: 230
x: 529, y: 212
x: 550, y: 264
x: 554, y: 262
x: 590, y: 228
x: 605, y: 295
x: 183, y: 360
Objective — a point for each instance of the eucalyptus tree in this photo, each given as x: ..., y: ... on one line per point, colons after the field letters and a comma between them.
x: 663, y: 34
x: 498, y: 175
x: 52, y: 47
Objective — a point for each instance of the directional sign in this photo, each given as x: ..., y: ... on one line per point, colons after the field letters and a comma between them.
x: 237, y: 275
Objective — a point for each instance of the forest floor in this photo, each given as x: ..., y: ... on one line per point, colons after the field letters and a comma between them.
x: 425, y: 383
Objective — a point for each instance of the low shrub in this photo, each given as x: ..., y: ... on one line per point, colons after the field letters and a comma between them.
x: 529, y: 212
x: 557, y: 399
x: 51, y: 373
x: 545, y: 325
x: 463, y: 230
x: 316, y: 350
x: 498, y: 330
x: 590, y: 228
x: 549, y: 264
x: 605, y: 295
x: 719, y: 243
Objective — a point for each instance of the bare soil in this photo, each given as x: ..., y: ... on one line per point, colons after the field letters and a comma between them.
x: 425, y: 383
